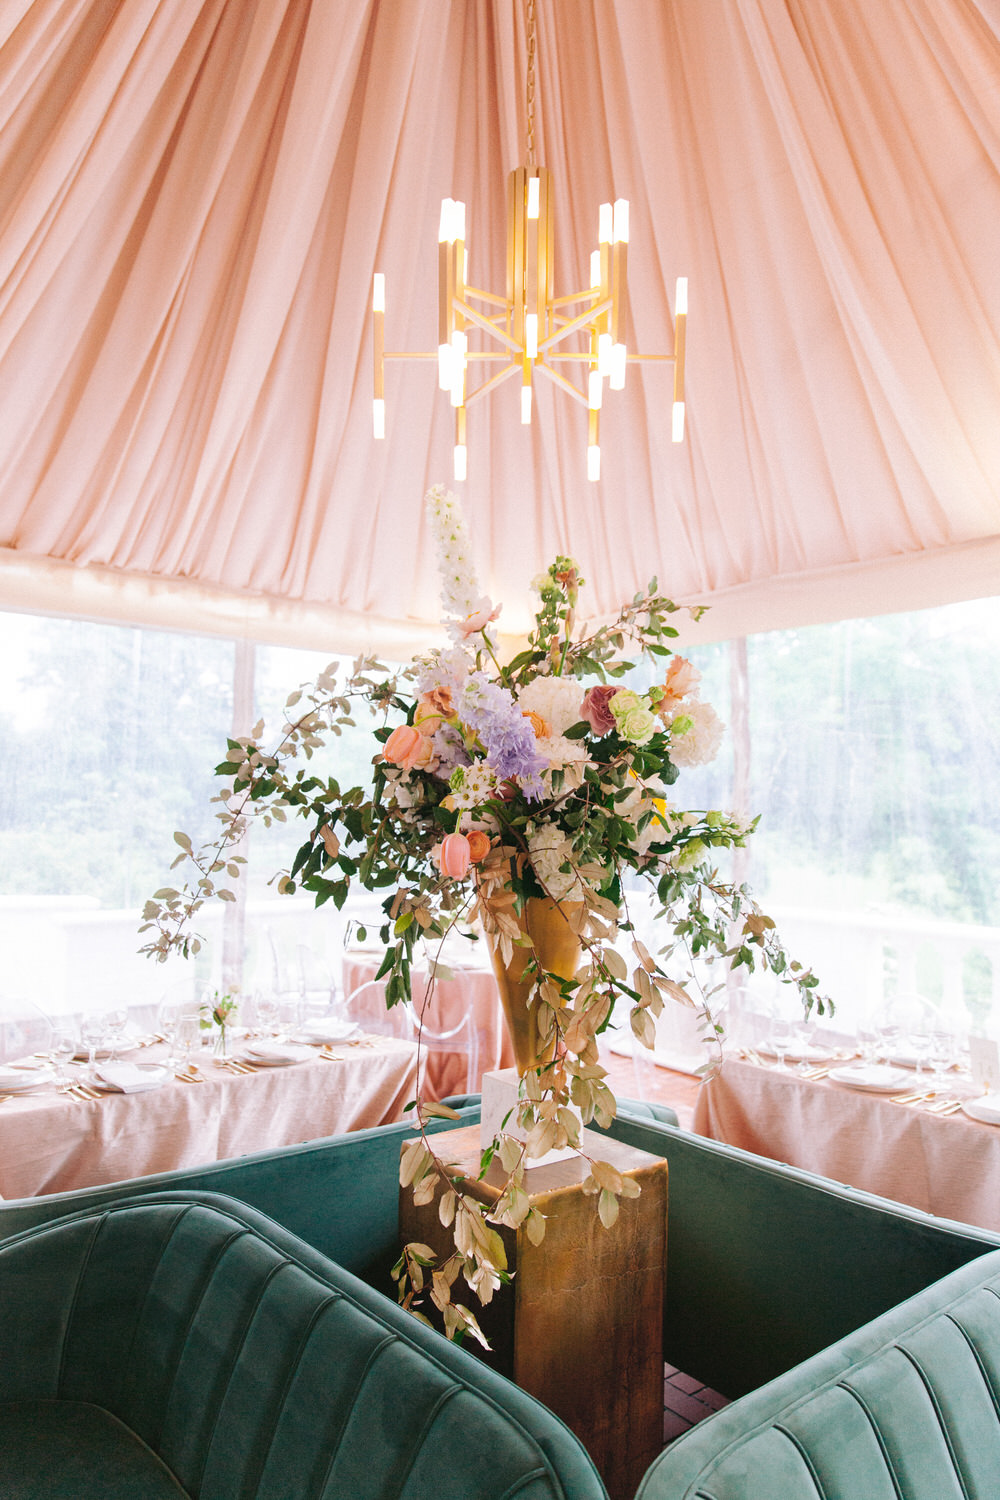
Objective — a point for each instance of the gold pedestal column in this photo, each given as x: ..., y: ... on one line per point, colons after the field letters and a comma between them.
x: 582, y: 1326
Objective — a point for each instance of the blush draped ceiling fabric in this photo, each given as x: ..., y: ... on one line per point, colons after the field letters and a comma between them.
x: 194, y: 195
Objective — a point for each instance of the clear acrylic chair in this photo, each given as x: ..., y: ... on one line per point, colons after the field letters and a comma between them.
x: 464, y: 1040
x: 24, y: 1028
x: 367, y: 1006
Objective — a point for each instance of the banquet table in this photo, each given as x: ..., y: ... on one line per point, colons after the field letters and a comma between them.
x: 473, y: 990
x: 51, y: 1142
x: 948, y: 1165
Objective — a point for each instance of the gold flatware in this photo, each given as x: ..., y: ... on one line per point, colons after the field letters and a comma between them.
x: 917, y: 1096
x: 82, y: 1092
x: 944, y: 1107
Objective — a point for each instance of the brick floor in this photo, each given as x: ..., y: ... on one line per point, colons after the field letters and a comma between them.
x: 686, y: 1402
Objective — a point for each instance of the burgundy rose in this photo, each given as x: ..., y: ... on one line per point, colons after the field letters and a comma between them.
x: 595, y: 708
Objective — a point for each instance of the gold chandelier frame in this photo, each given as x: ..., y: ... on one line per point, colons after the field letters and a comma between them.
x: 529, y: 325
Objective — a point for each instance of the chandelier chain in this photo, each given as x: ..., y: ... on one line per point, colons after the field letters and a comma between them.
x: 530, y: 84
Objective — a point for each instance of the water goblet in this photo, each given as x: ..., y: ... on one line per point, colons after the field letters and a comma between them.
x: 780, y: 1035
x: 887, y: 1037
x: 187, y: 1037
x: 116, y: 1020
x: 802, y: 1035
x: 867, y: 1040
x: 941, y: 1050
x: 266, y: 1005
x: 917, y: 1023
x: 93, y: 1030
x: 62, y: 1050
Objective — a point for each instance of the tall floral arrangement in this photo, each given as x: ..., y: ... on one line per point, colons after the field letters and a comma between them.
x: 545, y: 777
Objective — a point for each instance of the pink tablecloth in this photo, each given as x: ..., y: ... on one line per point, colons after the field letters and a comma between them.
x: 472, y: 989
x: 50, y: 1143
x: 947, y: 1165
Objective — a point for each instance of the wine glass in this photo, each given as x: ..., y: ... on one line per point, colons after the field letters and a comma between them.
x: 187, y: 1036
x: 917, y: 1023
x: 116, y: 1019
x: 887, y: 1036
x: 781, y: 1034
x: 267, y: 1007
x: 803, y: 1030
x: 941, y: 1053
x: 62, y: 1050
x: 93, y: 1030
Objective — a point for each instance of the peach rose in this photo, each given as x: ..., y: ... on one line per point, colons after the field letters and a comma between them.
x: 422, y: 757
x: 453, y: 856
x: 426, y: 717
x: 542, y: 729
x: 440, y: 700
x: 681, y: 679
x: 479, y: 845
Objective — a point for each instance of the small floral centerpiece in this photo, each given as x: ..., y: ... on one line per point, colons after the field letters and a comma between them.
x: 532, y: 796
x: 216, y: 1014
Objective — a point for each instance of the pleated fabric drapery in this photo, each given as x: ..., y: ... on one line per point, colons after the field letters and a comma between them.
x: 194, y: 195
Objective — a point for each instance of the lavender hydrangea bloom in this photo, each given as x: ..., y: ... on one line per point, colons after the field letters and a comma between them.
x: 508, y: 736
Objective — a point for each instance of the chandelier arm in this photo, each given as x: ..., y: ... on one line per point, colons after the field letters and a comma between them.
x: 492, y: 383
x: 580, y: 321
x: 480, y: 296
x: 563, y: 383
x: 491, y: 328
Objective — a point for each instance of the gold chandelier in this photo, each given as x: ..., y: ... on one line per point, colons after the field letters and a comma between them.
x: 530, y: 324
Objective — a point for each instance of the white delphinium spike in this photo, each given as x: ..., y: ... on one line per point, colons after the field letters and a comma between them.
x: 460, y: 592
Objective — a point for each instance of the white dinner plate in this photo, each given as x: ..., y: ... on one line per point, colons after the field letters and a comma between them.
x: 808, y: 1054
x: 875, y: 1078
x: 275, y: 1055
x: 986, y: 1109
x: 24, y: 1080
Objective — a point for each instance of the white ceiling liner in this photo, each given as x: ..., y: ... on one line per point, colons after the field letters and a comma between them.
x: 195, y: 193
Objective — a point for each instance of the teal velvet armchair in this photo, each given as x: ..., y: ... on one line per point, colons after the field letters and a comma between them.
x: 905, y: 1407
x: 183, y: 1345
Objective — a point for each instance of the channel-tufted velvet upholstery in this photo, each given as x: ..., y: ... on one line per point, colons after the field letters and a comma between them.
x: 908, y: 1406
x: 182, y: 1344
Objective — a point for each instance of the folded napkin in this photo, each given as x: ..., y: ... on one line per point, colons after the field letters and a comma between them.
x: 273, y: 1054
x: 327, y: 1029
x: 129, y: 1078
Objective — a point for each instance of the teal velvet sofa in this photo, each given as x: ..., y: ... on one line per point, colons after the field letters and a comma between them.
x: 183, y: 1345
x: 907, y: 1407
x: 766, y: 1265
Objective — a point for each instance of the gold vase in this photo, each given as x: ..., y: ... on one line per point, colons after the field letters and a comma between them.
x: 557, y: 949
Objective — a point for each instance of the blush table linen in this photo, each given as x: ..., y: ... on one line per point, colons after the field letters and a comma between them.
x: 50, y: 1142
x: 473, y: 989
x: 948, y: 1165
